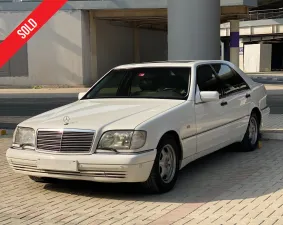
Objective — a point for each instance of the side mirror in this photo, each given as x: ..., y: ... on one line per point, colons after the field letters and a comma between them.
x: 209, y: 96
x: 81, y: 95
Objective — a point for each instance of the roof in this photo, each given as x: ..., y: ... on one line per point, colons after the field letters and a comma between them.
x: 170, y: 63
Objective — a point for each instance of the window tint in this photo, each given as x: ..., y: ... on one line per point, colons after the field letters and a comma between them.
x: 232, y: 81
x: 159, y: 82
x: 109, y: 86
x: 207, y: 80
x: 162, y: 80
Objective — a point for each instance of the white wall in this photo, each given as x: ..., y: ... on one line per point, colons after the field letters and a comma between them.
x: 257, y: 58
x: 54, y: 53
x: 252, y: 58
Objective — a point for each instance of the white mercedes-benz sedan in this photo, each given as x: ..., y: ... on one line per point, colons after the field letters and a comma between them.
x: 142, y: 123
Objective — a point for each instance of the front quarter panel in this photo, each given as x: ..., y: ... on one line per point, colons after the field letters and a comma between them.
x: 181, y: 120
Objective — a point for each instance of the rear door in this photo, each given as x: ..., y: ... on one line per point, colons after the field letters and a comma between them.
x: 237, y: 98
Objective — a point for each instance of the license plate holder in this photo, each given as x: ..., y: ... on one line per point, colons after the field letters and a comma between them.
x: 57, y: 165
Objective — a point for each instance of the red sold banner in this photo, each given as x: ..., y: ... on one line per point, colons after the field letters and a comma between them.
x: 28, y: 28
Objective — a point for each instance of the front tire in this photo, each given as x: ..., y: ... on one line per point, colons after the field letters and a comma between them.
x: 251, y: 138
x: 165, y: 169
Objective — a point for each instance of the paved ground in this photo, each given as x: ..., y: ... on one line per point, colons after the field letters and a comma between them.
x: 227, y: 187
x: 223, y: 188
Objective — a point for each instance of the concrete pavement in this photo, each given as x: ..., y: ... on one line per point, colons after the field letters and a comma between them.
x: 226, y: 187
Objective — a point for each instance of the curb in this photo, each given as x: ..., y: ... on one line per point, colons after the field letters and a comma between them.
x: 267, y: 78
x: 272, y: 135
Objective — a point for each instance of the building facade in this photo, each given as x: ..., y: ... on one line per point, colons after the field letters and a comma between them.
x: 86, y: 39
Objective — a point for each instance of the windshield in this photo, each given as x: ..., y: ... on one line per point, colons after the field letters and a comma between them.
x: 161, y: 82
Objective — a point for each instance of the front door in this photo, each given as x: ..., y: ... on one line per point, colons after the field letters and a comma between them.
x: 211, y: 117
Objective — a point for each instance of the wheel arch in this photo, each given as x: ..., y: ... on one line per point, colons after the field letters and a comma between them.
x: 176, y: 137
x: 258, y: 114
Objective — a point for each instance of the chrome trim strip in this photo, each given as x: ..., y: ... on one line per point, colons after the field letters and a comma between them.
x: 61, y: 140
x: 66, y: 129
x: 214, y: 128
x: 222, y: 125
x: 185, y: 138
x: 122, y: 153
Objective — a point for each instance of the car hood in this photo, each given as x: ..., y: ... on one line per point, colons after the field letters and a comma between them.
x: 101, y: 113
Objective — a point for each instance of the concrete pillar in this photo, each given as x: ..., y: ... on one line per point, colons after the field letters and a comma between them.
x: 193, y: 29
x: 234, y: 42
x: 241, y: 55
x: 222, y: 50
x: 227, y: 50
x: 136, y: 45
x: 93, y: 47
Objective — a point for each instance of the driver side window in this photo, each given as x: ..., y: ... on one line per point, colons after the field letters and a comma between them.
x: 207, y: 81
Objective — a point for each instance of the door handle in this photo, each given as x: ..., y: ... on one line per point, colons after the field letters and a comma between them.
x: 223, y: 103
x: 248, y: 95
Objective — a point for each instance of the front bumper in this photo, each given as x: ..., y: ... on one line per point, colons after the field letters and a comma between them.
x: 114, y: 168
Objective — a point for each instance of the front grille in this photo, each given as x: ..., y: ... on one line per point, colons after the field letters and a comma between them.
x: 67, y: 140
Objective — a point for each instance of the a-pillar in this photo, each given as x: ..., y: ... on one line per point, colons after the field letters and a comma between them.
x: 193, y: 29
x: 234, y: 42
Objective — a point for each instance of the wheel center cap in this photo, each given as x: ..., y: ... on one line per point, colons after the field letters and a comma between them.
x: 167, y: 163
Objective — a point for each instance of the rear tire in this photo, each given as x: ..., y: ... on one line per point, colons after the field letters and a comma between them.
x: 165, y: 169
x: 43, y: 179
x: 252, y: 135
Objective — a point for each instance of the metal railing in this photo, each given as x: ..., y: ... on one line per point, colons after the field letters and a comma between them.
x: 265, y: 14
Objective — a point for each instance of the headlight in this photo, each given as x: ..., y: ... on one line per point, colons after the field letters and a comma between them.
x: 122, y: 140
x: 24, y: 138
